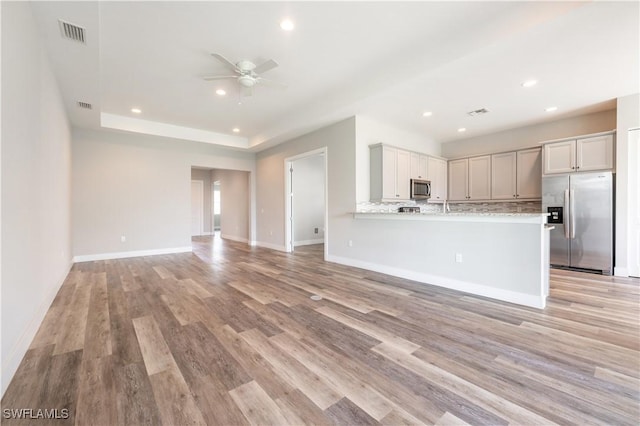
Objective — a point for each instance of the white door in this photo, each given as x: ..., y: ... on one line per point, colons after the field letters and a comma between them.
x: 480, y: 178
x: 197, y: 207
x: 503, y: 176
x: 559, y: 157
x: 529, y: 181
x: 458, y: 179
x: 634, y: 202
x: 594, y: 153
x: 402, y: 175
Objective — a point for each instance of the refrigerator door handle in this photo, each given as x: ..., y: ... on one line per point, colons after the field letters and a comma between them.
x: 572, y: 197
x: 566, y: 212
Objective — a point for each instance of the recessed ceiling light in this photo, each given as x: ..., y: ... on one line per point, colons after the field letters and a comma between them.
x: 287, y: 24
x: 529, y: 83
x: 136, y: 110
x: 221, y: 92
x: 551, y: 109
x: 462, y: 129
x: 236, y: 130
x: 427, y: 114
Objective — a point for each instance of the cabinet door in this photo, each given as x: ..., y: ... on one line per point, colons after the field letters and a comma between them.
x: 503, y: 176
x: 458, y: 179
x: 389, y: 172
x: 529, y: 179
x: 423, y: 167
x: 414, y: 165
x: 559, y: 157
x: 480, y: 178
x: 402, y: 175
x: 594, y: 153
x: 437, y: 174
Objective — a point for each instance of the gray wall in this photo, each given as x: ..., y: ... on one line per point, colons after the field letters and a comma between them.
x: 339, y: 139
x: 36, y: 187
x: 205, y: 177
x: 234, y: 200
x: 308, y: 200
x: 628, y: 118
x: 138, y: 186
x: 528, y: 136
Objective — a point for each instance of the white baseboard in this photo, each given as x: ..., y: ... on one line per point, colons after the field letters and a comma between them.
x: 125, y: 254
x: 269, y: 246
x: 464, y: 286
x: 11, y: 363
x: 308, y: 242
x: 234, y: 238
x: 620, y: 272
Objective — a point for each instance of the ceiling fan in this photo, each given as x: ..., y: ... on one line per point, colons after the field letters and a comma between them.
x: 246, y: 73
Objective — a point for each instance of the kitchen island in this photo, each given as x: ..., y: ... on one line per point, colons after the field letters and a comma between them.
x: 503, y: 256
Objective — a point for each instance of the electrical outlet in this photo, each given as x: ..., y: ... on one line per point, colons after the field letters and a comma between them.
x: 458, y: 257
x: 350, y: 243
x: 123, y: 239
x: 271, y: 232
x: 315, y: 230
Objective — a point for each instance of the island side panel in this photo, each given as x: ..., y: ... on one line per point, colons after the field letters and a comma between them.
x: 504, y: 261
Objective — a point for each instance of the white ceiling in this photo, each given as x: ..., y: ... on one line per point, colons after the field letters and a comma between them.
x: 387, y: 60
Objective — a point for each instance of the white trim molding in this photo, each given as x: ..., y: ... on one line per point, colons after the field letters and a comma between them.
x: 126, y: 254
x: 270, y: 246
x: 234, y: 238
x: 308, y: 242
x: 453, y: 284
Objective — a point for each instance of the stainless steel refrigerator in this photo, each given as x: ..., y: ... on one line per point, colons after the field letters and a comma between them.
x: 580, y: 207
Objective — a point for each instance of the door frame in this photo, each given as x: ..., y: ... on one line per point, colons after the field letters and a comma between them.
x: 200, y: 185
x: 288, y: 198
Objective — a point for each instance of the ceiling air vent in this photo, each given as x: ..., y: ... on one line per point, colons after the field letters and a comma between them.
x: 478, y: 112
x: 72, y: 32
x: 85, y: 105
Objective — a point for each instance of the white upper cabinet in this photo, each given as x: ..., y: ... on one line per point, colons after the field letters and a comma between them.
x: 402, y: 175
x: 470, y: 179
x: 459, y: 179
x: 579, y: 155
x: 503, y: 176
x: 437, y: 174
x: 529, y: 173
x: 480, y: 178
x: 516, y: 175
x: 594, y: 153
x: 418, y: 166
x: 389, y: 173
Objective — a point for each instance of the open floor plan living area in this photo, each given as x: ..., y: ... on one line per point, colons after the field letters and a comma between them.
x: 329, y: 212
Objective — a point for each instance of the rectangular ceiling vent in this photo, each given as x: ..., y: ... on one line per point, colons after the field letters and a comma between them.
x: 478, y: 112
x: 85, y: 105
x: 72, y: 32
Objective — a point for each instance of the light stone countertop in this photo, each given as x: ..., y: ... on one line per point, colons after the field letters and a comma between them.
x: 538, y: 218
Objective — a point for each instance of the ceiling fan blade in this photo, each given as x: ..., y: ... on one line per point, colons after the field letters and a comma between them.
x: 225, y: 61
x: 265, y: 66
x: 271, y: 83
x: 218, y: 77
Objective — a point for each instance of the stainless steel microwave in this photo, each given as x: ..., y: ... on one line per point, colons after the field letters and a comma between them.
x: 420, y: 189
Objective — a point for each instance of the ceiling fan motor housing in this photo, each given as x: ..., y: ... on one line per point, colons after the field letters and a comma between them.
x: 247, y: 80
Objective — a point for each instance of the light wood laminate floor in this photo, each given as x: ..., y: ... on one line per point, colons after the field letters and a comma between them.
x: 228, y: 335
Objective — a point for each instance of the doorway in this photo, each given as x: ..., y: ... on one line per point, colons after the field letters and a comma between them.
x: 216, y: 207
x: 306, y: 200
x: 197, y: 207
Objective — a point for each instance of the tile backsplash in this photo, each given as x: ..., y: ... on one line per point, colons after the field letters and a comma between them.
x: 491, y: 207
